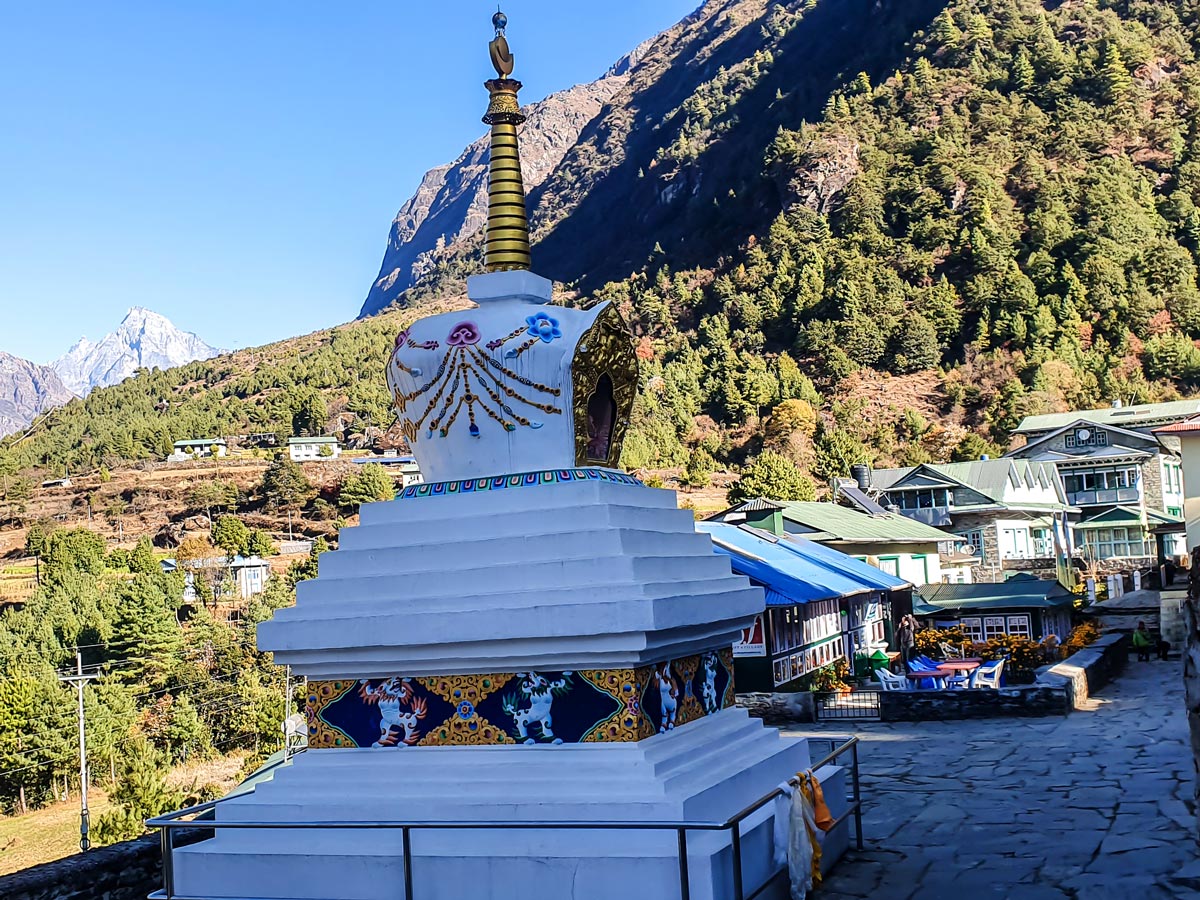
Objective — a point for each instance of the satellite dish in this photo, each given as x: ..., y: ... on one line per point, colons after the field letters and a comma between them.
x: 295, y: 724
x: 969, y: 549
x: 1083, y: 434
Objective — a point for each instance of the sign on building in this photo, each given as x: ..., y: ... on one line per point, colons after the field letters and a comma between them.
x: 754, y: 640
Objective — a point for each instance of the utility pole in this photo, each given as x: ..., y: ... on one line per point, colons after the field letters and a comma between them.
x: 79, y: 680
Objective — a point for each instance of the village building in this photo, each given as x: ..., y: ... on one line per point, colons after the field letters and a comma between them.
x: 1187, y: 434
x: 405, y: 466
x: 1124, y: 482
x: 307, y: 449
x: 250, y: 575
x: 898, y: 545
x: 1023, y: 606
x: 821, y: 606
x: 200, y: 448
x: 1003, y: 512
x: 1141, y: 417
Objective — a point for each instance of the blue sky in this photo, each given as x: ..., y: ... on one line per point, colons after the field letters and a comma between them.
x: 236, y: 165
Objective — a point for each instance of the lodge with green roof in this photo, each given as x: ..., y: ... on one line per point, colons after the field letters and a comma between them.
x: 1004, y: 512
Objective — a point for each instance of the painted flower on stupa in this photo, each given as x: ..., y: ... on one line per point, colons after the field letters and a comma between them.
x: 464, y: 334
x: 401, y: 338
x: 543, y: 326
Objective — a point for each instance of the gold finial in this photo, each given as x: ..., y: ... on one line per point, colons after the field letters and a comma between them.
x: 502, y: 58
x: 508, y: 226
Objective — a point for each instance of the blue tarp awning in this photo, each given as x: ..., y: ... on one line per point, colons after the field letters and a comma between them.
x: 795, y: 571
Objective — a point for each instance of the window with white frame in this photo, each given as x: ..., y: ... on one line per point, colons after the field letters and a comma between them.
x: 993, y: 626
x: 973, y: 626
x: 1018, y: 626
x: 1107, y: 543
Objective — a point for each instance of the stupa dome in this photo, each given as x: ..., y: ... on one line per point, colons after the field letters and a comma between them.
x: 515, y: 385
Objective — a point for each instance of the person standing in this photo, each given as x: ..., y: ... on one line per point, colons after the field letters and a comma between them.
x: 906, y: 637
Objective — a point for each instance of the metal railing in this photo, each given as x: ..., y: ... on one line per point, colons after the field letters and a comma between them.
x: 171, y: 822
x: 857, y: 704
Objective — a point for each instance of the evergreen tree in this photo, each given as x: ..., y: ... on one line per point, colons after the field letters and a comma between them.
x: 261, y: 544
x: 700, y: 468
x: 285, y: 486
x: 370, y: 484
x: 141, y: 793
x: 231, y: 535
x: 836, y: 451
x: 1115, y: 81
x: 773, y: 477
x: 915, y: 345
x: 142, y: 560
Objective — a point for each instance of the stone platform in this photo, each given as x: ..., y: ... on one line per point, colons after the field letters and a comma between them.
x: 1095, y: 806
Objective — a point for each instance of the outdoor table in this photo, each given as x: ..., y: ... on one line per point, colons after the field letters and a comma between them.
x: 961, y: 665
x: 939, y: 676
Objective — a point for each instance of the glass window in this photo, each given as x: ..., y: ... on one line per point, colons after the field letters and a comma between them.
x: 1018, y: 626
x: 974, y: 628
x: 993, y: 626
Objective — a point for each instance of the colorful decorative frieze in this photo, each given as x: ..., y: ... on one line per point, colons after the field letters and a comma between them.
x: 596, y: 705
x: 504, y: 482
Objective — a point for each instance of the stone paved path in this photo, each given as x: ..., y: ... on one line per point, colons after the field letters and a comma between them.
x: 1095, y: 806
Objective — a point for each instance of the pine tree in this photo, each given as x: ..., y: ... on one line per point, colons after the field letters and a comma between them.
x: 774, y: 477
x: 261, y: 544
x: 1022, y: 71
x: 370, y: 484
x: 231, y: 535
x: 142, y: 560
x: 1115, y: 81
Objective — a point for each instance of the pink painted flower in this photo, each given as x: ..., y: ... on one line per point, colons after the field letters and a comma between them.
x: 401, y: 338
x: 463, y: 334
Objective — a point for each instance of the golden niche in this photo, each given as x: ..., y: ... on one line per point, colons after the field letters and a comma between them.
x: 605, y: 379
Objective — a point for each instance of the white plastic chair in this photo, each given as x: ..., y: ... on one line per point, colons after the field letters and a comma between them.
x: 891, y: 682
x: 988, y: 676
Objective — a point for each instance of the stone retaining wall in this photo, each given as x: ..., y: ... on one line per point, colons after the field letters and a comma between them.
x: 126, y: 871
x: 1085, y: 672
x: 931, y: 706
x: 780, y: 709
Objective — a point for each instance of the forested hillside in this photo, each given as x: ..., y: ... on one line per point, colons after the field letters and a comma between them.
x: 1013, y: 210
x: 996, y: 217
x: 312, y: 384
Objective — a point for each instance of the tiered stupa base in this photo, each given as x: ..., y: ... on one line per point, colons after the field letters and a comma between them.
x: 705, y: 771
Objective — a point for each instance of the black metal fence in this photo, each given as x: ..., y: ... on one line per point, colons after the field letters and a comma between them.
x: 851, y: 705
x: 185, y: 819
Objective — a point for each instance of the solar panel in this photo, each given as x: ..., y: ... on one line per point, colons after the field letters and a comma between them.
x: 862, y: 501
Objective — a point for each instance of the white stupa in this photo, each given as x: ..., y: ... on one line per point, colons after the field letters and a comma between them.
x: 531, y: 636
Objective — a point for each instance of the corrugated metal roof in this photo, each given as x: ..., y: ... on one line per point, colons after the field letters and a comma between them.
x: 984, y: 476
x: 795, y: 571
x: 1019, y: 592
x: 841, y: 523
x: 1125, y: 416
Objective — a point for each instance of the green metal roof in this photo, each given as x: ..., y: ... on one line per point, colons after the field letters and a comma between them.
x: 1128, y: 515
x: 832, y: 522
x: 988, y: 477
x: 1019, y: 592
x: 200, y: 442
x: 1138, y: 415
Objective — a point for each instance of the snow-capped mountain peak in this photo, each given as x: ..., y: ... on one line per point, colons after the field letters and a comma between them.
x: 144, y: 339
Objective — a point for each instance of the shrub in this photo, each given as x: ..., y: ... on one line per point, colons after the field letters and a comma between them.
x: 1081, y: 636
x: 831, y: 677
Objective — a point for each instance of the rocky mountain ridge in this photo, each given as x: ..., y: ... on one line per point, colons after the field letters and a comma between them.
x: 450, y: 205
x: 144, y: 339
x: 26, y: 391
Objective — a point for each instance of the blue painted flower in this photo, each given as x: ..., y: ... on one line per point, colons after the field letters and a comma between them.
x: 465, y: 710
x: 544, y: 327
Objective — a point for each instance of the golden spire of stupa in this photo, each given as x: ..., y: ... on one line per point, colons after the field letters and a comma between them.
x: 507, y: 227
